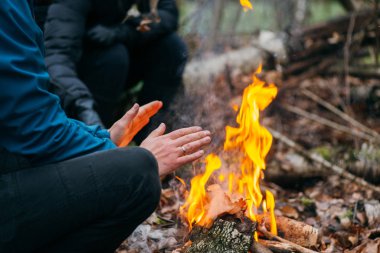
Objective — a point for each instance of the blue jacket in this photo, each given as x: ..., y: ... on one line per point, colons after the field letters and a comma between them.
x: 32, y: 123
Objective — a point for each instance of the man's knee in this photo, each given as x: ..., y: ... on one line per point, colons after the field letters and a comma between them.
x: 145, y: 168
x: 177, y: 47
x: 115, y: 57
x: 150, y: 169
x: 172, y: 49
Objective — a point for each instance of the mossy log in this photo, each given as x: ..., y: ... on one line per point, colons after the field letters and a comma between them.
x: 227, y: 234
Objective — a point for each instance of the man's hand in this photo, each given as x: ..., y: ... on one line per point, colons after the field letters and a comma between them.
x: 177, y: 148
x: 103, y: 35
x: 123, y: 33
x: 123, y: 130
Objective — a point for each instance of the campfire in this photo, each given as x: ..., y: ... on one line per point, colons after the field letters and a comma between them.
x: 238, y: 187
x: 236, y: 181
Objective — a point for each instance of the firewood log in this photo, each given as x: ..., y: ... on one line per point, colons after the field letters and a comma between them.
x: 227, y: 234
x: 294, y: 231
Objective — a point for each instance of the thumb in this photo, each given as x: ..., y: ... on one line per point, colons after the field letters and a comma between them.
x: 160, y: 130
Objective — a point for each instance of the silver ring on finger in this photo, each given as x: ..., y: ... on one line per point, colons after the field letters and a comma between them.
x: 183, y: 150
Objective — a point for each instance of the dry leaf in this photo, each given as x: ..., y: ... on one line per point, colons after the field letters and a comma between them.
x: 369, y: 246
x: 220, y: 203
x: 289, y: 211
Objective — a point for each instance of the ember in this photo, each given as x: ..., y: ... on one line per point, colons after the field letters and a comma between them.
x: 248, y: 144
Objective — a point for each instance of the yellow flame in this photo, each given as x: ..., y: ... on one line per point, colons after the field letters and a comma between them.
x: 197, y: 199
x: 270, y: 208
x: 252, y: 141
x: 246, y: 4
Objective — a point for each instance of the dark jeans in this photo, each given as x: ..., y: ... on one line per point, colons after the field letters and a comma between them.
x: 110, y: 71
x: 87, y: 204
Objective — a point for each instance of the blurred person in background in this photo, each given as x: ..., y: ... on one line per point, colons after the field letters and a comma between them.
x: 95, y: 51
x: 65, y: 186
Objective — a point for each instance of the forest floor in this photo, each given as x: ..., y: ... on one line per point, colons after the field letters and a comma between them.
x: 347, y: 214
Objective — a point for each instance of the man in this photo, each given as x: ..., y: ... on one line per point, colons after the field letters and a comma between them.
x: 65, y: 186
x: 94, y: 53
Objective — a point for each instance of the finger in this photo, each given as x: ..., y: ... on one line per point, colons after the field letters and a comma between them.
x: 144, y: 114
x: 160, y: 130
x: 190, y: 157
x: 150, y: 109
x: 194, y: 146
x: 137, y: 126
x: 130, y: 114
x: 184, y: 131
x: 192, y: 137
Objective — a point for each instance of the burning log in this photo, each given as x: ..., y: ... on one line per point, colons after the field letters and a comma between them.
x: 227, y: 234
x: 232, y: 234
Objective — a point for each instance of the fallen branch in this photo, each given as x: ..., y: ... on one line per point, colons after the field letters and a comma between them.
x: 199, y: 73
x: 307, y: 71
x: 317, y: 158
x: 327, y: 122
x: 341, y: 114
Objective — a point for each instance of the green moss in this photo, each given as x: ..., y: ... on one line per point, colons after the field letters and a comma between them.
x: 307, y: 202
x: 348, y: 214
x: 325, y: 151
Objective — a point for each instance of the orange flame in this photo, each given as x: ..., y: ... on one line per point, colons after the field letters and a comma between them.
x: 270, y: 208
x: 246, y: 4
x: 197, y: 199
x: 252, y: 142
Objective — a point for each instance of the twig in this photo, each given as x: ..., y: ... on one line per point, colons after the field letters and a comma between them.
x: 327, y: 122
x: 317, y: 158
x: 341, y: 114
x: 271, y: 236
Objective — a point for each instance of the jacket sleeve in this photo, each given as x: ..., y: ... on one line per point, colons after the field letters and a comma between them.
x: 32, y: 123
x: 168, y: 13
x: 64, y: 32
